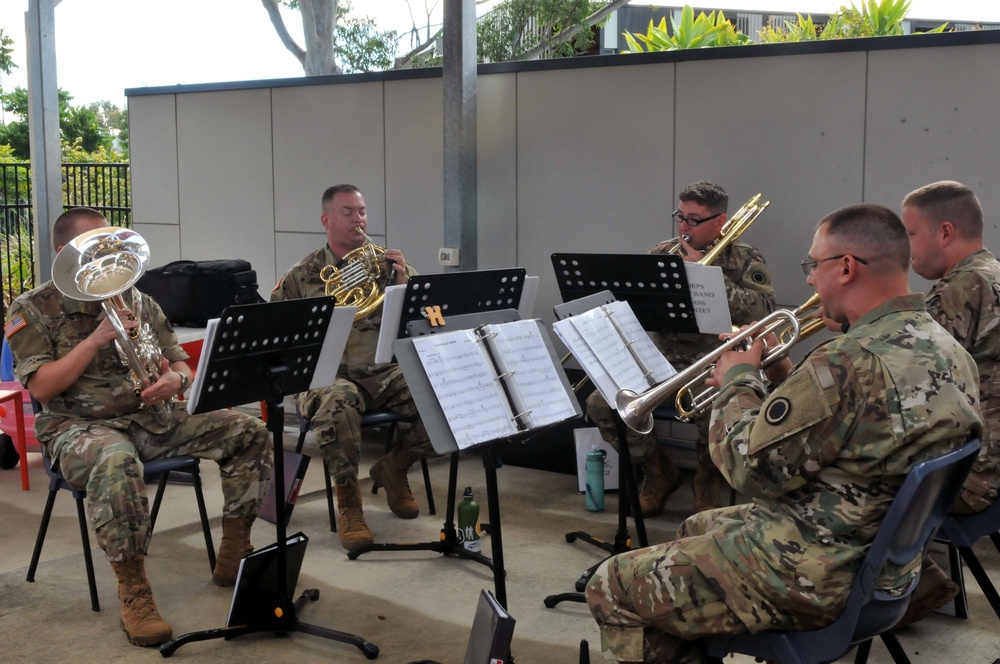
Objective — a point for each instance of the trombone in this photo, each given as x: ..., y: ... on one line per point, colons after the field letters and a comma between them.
x: 636, y: 410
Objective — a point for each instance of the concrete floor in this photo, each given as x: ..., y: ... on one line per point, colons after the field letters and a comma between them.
x: 412, y: 605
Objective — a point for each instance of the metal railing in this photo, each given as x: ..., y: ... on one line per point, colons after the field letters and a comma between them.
x: 105, y: 187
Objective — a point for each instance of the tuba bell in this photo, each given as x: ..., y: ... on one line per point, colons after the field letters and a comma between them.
x: 362, y: 280
x: 102, y: 265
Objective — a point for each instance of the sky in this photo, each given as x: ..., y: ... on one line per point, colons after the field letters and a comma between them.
x: 104, y: 47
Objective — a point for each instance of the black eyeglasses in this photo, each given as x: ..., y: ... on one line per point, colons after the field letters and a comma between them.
x: 678, y: 217
x: 809, y: 265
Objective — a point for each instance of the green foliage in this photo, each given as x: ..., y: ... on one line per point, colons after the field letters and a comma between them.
x: 517, y: 26
x: 6, y: 48
x: 361, y: 46
x: 690, y: 32
x: 802, y: 30
x: 16, y: 262
x: 93, y: 126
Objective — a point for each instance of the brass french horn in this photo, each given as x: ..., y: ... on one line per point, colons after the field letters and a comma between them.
x: 362, y: 280
x: 102, y: 265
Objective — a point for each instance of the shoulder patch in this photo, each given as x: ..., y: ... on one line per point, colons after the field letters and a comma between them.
x: 778, y: 410
x: 15, y: 324
x: 758, y: 277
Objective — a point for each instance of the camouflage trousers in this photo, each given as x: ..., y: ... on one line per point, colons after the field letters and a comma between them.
x: 641, y: 445
x: 106, y: 463
x: 335, y: 413
x: 654, y: 604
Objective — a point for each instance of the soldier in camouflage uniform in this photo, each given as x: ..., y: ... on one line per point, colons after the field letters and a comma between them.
x: 945, y: 223
x: 335, y: 411
x: 822, y: 457
x: 97, y: 433
x: 701, y: 215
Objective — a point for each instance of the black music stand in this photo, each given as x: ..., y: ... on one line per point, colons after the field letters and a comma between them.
x: 262, y: 352
x: 459, y: 293
x: 655, y: 285
x: 629, y: 503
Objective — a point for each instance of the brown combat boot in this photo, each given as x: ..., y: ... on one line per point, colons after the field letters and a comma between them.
x: 234, y: 547
x: 389, y: 472
x: 934, y: 590
x: 141, y: 622
x: 707, y: 484
x: 351, y: 525
x: 662, y: 479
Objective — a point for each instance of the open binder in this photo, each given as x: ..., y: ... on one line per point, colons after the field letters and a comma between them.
x: 614, y: 350
x: 492, y: 381
x: 492, y: 631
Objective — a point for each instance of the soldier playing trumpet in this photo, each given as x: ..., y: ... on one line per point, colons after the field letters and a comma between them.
x: 700, y: 216
x: 335, y: 411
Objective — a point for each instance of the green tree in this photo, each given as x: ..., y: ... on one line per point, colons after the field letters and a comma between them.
x: 6, y: 49
x: 75, y: 123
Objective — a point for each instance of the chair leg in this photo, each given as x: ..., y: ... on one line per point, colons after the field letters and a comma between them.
x: 961, y: 601
x: 42, y: 529
x: 894, y: 648
x: 161, y: 485
x: 864, y: 648
x: 203, y: 514
x: 329, y: 497
x: 87, y: 558
x: 982, y: 578
x: 427, y: 486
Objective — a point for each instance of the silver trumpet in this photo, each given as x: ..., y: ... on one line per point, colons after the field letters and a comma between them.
x: 636, y: 410
x: 102, y: 265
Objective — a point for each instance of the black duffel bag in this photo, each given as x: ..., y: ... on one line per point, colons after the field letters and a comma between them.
x: 192, y: 292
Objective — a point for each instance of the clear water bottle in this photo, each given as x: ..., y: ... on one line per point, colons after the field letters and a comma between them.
x: 468, y: 522
x: 595, y: 479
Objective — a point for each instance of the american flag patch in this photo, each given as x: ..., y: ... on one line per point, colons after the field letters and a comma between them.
x: 13, y: 325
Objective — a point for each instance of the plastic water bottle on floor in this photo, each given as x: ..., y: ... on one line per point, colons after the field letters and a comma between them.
x: 595, y: 480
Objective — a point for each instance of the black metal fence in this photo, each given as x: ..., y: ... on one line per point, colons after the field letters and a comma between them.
x: 104, y: 187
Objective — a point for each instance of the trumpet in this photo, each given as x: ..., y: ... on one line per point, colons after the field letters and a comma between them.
x: 636, y: 410
x: 690, y: 406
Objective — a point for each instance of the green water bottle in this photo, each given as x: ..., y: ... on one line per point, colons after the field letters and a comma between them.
x: 468, y: 522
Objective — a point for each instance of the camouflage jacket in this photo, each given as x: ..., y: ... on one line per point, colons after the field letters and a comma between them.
x: 54, y: 325
x: 302, y: 280
x: 750, y: 294
x: 966, y: 302
x: 823, y: 455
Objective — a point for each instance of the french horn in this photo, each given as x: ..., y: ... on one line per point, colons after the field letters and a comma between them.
x: 362, y: 280
x: 102, y: 265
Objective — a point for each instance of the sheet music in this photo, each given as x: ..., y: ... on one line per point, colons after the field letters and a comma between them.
x: 535, y: 387
x: 334, y: 343
x: 650, y: 359
x: 199, y: 376
x: 465, y: 383
x: 392, y: 311
x: 577, y: 345
x: 610, y: 349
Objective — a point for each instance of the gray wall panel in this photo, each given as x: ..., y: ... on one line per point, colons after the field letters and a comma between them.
x: 800, y: 145
x: 323, y: 136
x: 496, y: 170
x: 153, y: 156
x: 226, y: 179
x: 164, y: 242
x: 594, y: 165
x: 414, y: 164
x: 936, y: 113
x: 289, y: 248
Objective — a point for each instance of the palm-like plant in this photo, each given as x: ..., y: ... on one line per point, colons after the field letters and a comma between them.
x: 690, y: 32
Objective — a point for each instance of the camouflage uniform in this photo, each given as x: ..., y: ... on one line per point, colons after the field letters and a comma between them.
x: 822, y: 457
x: 966, y: 302
x: 751, y: 297
x: 335, y: 411
x: 98, y: 435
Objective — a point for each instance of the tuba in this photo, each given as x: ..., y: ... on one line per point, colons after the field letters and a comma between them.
x: 362, y: 280
x: 102, y: 265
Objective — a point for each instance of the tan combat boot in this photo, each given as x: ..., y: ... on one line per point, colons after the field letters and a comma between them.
x: 707, y: 484
x: 234, y: 547
x: 390, y: 472
x: 141, y: 622
x: 351, y: 525
x: 662, y: 479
